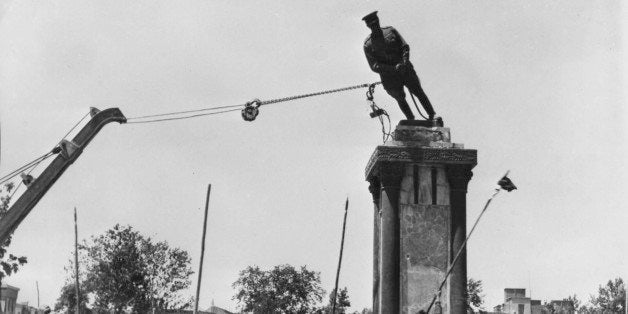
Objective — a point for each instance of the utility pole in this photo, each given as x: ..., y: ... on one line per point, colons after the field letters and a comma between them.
x: 76, y: 268
x: 342, y: 244
x: 200, y: 266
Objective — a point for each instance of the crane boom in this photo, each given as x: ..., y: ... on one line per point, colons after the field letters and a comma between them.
x: 69, y: 152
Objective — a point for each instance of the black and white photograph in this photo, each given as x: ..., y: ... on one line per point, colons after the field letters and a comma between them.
x: 323, y: 157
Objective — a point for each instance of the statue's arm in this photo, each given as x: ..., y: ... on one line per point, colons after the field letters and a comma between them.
x: 405, y: 48
x: 377, y: 66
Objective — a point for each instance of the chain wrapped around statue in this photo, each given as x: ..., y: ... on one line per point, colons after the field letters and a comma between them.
x: 389, y: 55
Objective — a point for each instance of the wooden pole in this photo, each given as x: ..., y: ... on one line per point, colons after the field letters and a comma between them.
x: 37, y: 284
x: 342, y: 243
x: 76, y: 267
x: 200, y: 266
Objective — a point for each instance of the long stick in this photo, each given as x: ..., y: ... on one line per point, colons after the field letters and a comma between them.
x: 200, y: 267
x: 342, y: 244
x: 37, y: 284
x: 464, y: 244
x: 76, y: 267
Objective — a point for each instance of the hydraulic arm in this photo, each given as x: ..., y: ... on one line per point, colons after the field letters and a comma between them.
x: 69, y: 151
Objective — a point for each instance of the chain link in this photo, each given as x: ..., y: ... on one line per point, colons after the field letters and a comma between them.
x: 274, y: 101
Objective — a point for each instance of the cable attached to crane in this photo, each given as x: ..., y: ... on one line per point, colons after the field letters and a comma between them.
x: 249, y: 112
x: 33, y: 164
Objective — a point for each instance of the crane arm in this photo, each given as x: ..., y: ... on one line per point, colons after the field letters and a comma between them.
x: 69, y: 152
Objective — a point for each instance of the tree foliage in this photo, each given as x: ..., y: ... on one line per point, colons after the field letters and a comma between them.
x: 125, y: 271
x: 611, y: 297
x: 9, y: 263
x: 475, y: 299
x: 282, y: 289
x: 577, y: 304
x: 66, y: 303
x: 342, y: 302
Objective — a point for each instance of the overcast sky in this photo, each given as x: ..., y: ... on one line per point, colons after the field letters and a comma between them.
x: 536, y: 87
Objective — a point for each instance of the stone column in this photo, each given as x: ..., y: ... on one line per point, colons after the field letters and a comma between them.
x: 419, y: 218
x: 375, y: 188
x: 459, y: 177
x: 390, y: 178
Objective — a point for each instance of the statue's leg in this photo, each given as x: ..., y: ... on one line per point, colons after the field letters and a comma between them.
x: 394, y: 88
x: 414, y: 85
x: 405, y: 108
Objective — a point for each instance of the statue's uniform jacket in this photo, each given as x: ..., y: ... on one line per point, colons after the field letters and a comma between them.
x: 383, y: 54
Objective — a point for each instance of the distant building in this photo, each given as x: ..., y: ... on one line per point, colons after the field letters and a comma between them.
x: 216, y: 310
x: 536, y: 307
x: 8, y: 298
x: 516, y: 302
x: 24, y: 308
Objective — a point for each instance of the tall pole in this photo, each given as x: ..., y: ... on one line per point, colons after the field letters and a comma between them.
x: 342, y: 244
x: 76, y: 267
x: 37, y: 284
x: 200, y: 266
x: 464, y: 244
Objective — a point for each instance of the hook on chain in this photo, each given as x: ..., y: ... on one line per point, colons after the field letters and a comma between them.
x: 370, y: 91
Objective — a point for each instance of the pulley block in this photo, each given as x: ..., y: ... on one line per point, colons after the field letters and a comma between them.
x: 251, y: 110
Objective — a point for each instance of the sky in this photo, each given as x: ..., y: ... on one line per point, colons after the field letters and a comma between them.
x: 537, y: 87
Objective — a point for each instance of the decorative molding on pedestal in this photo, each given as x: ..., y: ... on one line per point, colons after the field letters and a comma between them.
x: 411, y: 154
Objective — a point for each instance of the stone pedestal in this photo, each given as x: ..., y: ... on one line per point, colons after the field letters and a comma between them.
x: 419, y: 182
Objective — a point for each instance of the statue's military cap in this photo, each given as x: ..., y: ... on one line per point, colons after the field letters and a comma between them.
x: 370, y: 17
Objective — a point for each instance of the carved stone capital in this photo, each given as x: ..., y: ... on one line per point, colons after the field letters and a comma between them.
x: 390, y: 174
x: 375, y: 187
x: 459, y: 177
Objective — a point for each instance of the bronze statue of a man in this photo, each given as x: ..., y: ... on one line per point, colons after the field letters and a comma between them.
x: 389, y: 55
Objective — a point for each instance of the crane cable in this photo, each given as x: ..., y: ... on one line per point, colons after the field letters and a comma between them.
x: 33, y: 164
x: 249, y: 112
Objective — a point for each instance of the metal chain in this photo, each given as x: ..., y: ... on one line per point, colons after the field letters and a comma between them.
x: 274, y: 101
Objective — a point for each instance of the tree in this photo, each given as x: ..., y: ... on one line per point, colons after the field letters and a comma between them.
x: 66, y: 303
x: 611, y: 297
x: 11, y: 263
x: 168, y: 273
x: 125, y: 271
x: 575, y: 301
x: 475, y: 299
x: 282, y: 289
x: 342, y: 302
